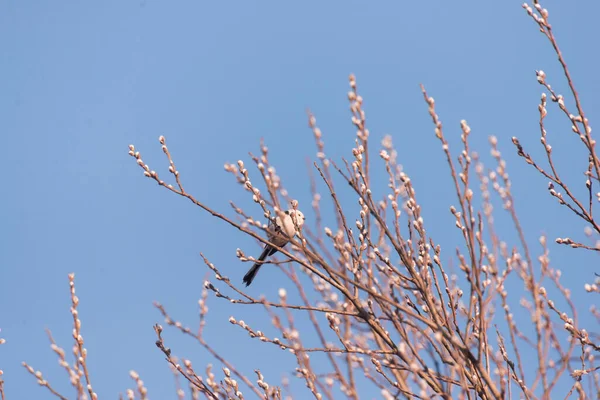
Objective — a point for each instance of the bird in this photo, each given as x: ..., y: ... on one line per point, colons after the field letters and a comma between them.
x: 280, y: 235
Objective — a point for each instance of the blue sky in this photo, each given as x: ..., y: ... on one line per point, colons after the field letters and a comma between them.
x: 82, y: 81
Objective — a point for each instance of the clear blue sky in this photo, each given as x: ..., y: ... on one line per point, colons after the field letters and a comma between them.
x: 82, y: 81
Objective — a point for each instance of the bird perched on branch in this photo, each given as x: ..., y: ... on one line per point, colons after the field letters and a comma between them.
x: 279, y: 234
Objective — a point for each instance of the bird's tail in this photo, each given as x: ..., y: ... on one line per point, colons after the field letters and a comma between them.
x: 249, y: 277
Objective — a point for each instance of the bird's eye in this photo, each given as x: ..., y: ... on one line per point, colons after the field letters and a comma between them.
x: 287, y: 212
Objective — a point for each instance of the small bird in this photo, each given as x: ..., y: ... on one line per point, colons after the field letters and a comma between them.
x: 279, y: 235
